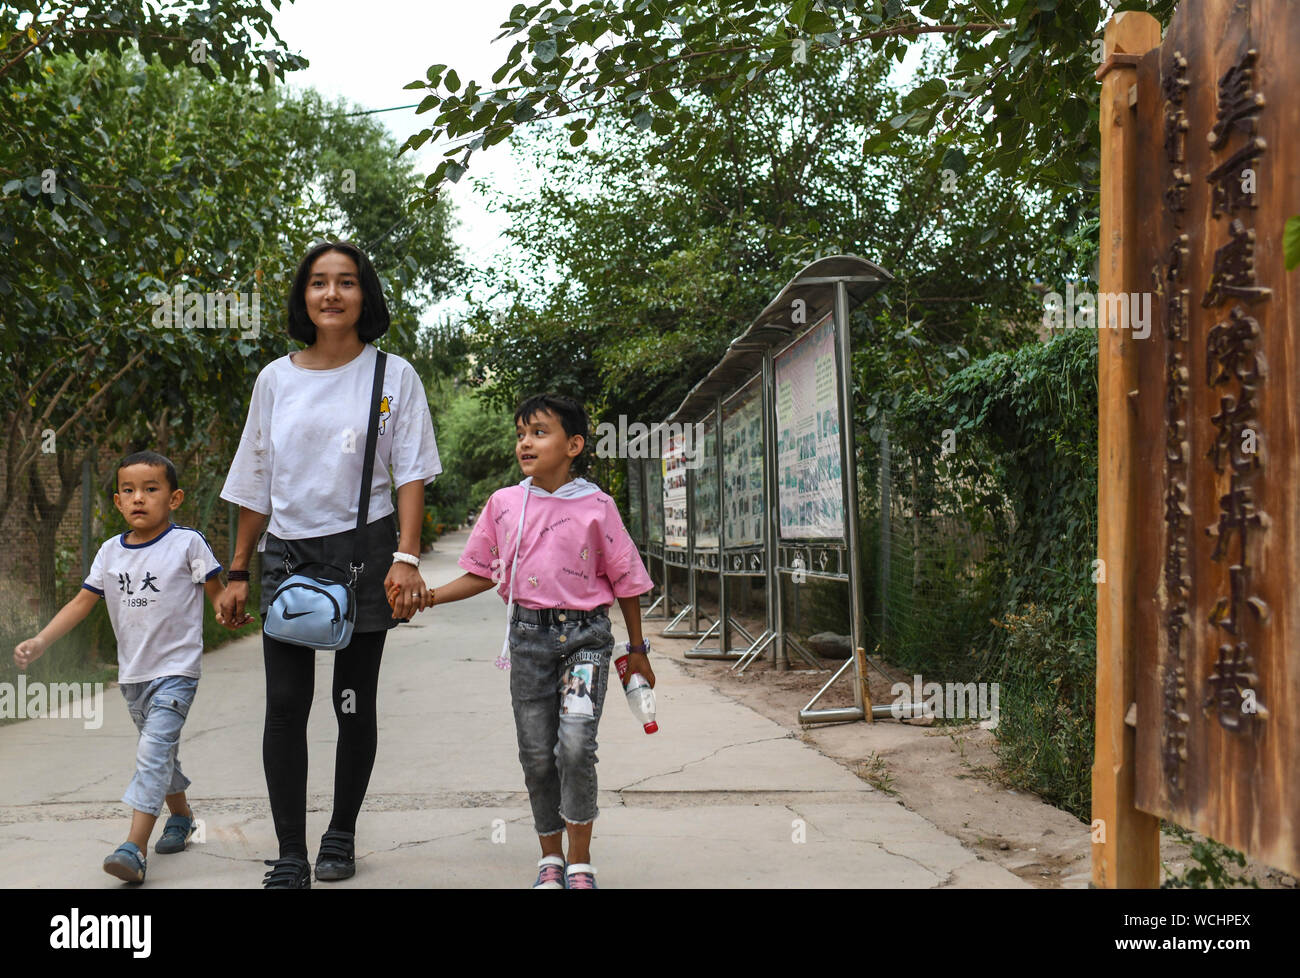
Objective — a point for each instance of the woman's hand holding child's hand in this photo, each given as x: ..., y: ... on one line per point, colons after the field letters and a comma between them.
x: 395, y: 591
x: 229, y: 607
x: 405, y: 590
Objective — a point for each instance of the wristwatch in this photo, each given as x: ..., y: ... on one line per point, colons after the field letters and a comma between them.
x: 643, y: 648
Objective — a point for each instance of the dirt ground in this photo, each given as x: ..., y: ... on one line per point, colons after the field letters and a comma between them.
x: 947, y: 774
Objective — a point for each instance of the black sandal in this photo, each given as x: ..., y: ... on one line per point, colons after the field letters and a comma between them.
x: 288, y: 873
x: 337, y: 857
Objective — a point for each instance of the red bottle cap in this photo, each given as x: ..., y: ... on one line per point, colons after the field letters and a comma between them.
x: 651, y: 727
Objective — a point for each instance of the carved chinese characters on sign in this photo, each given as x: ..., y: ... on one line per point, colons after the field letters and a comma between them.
x: 1170, y: 286
x: 1234, y: 269
x: 1201, y: 428
x: 1239, y: 104
x: 1233, y: 362
x: 1234, y: 179
x: 1174, y: 90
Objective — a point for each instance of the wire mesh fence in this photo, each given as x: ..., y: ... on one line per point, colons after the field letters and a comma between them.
x: 931, y: 588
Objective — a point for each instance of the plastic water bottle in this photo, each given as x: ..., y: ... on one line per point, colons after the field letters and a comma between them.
x: 640, y: 697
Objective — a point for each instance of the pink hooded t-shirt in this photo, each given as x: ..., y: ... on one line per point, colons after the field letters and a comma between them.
x: 576, y: 553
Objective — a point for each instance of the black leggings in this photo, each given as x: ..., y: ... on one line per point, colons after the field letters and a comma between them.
x: 290, y: 686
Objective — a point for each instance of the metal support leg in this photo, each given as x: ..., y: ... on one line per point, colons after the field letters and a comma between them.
x: 753, y: 652
x: 668, y: 630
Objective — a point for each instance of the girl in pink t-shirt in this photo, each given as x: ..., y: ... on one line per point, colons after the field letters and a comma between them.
x: 556, y: 548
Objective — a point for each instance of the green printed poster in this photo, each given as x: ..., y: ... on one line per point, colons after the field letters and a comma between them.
x: 706, y: 488
x: 674, y: 497
x: 809, y: 486
x: 742, y: 466
x: 655, y: 499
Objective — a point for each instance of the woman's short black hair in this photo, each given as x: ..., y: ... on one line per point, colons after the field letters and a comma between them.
x: 373, y: 322
x: 150, y: 458
x: 573, y: 418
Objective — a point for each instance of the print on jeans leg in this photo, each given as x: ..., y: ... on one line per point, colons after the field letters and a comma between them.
x: 576, y: 687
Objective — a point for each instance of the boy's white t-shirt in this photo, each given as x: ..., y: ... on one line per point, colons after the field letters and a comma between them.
x: 300, y: 456
x: 154, y: 593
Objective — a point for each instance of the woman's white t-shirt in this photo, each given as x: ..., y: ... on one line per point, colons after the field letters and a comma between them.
x: 300, y: 456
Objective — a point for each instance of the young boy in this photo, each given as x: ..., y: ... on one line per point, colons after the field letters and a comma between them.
x: 574, y: 559
x: 150, y: 576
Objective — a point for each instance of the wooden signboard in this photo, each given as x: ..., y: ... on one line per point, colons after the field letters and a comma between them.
x: 1216, y: 426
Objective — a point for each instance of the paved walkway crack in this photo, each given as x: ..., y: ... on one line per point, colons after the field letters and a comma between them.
x: 944, y: 880
x: 699, y: 760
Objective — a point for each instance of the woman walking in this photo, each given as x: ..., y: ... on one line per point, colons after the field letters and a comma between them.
x: 300, y: 463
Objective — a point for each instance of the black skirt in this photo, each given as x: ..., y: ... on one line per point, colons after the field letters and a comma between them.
x: 379, y: 540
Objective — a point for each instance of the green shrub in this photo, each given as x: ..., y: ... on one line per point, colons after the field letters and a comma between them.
x: 1023, y: 478
x: 1047, y: 695
x: 1211, y: 866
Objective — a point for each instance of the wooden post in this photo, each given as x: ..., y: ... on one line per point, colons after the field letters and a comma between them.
x: 1126, y: 841
x: 860, y: 654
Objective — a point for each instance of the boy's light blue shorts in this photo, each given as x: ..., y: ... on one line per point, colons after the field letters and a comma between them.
x: 159, y: 708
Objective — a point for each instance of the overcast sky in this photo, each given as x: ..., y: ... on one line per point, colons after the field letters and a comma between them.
x: 367, y: 52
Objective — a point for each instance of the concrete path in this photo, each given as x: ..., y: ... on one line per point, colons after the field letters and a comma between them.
x: 720, y: 797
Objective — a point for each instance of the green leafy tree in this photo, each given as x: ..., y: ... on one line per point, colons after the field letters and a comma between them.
x: 1020, y: 92
x: 179, y: 185
x: 206, y: 186
x: 230, y: 38
x: 481, y: 439
x: 640, y: 258
x: 52, y: 180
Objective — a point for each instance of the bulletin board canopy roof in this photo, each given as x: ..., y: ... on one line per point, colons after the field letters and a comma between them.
x: 814, y: 285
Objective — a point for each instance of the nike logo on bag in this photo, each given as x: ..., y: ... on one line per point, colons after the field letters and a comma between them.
x: 289, y: 615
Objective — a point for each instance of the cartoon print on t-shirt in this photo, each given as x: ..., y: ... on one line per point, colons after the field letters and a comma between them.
x: 385, y: 409
x: 576, y: 685
x: 583, y: 553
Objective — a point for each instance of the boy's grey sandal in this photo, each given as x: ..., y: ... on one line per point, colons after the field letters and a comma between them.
x: 176, y: 834
x: 127, y: 863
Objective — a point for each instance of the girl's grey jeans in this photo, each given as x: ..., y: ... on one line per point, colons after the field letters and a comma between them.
x: 558, y: 675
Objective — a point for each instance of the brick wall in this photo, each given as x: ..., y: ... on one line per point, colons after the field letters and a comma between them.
x: 18, y: 555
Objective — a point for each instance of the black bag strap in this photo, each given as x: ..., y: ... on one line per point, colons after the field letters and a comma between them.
x: 368, y: 465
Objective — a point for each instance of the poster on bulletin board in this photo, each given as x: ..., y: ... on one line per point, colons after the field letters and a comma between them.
x: 674, y: 492
x: 742, y: 466
x: 654, y: 496
x: 706, y: 488
x: 809, y: 483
